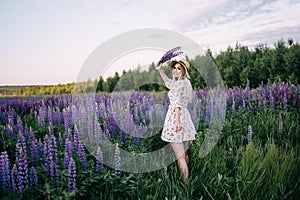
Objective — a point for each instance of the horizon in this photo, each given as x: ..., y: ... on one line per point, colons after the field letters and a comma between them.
x: 47, y: 43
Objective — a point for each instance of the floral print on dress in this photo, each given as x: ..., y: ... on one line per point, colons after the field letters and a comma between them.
x: 178, y: 98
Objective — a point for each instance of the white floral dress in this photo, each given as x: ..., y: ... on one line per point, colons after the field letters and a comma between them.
x: 178, y: 98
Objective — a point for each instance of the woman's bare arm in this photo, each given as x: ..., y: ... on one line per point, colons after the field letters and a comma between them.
x: 177, y: 116
x: 162, y: 73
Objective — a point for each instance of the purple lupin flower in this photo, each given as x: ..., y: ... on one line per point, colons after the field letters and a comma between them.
x: 16, y: 181
x: 107, y: 133
x: 280, y: 123
x: 294, y: 99
x: 98, y: 131
x: 71, y: 176
x: 129, y: 120
x: 285, y: 102
x: 10, y: 131
x: 17, y: 152
x: 106, y: 125
x: 69, y: 146
x: 33, y: 178
x: 272, y: 100
x: 76, y: 138
x: 67, y: 118
x: 201, y: 111
x: 46, y: 150
x: 123, y: 137
x: 53, y: 171
x: 34, y: 152
x: 41, y: 116
x: 142, y: 129
x: 81, y: 154
x: 117, y: 161
x: 90, y: 127
x: 21, y: 141
x: 99, y: 160
x: 233, y: 107
x: 31, y: 135
x: 10, y: 118
x: 66, y: 160
x: 136, y: 115
x: 69, y: 135
x: 244, y: 105
x: 57, y: 116
x: 249, y: 134
x: 250, y: 108
x: 40, y: 146
x: 20, y: 125
x: 51, y: 129
x: 26, y: 133
x: 69, y: 151
x: 60, y: 140
x: 50, y: 114
x: 52, y: 160
x: 4, y: 171
x: 137, y: 136
x: 22, y: 165
x: 111, y: 124
x: 170, y: 54
x: 208, y: 111
x: 259, y: 105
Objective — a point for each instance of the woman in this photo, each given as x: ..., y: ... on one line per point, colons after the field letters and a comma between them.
x: 178, y: 128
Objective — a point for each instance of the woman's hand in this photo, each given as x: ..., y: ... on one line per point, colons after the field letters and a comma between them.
x: 159, y: 66
x: 161, y: 72
x: 177, y: 115
x: 178, y: 127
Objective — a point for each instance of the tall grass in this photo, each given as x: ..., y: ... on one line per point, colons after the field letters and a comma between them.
x: 267, y: 173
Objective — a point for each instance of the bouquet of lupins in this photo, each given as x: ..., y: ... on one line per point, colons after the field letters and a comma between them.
x: 169, y: 54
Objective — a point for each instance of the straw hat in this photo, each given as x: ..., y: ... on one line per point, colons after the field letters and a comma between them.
x: 183, y: 63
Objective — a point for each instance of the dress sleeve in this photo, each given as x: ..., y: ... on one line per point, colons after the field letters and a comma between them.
x: 169, y: 83
x: 180, y: 91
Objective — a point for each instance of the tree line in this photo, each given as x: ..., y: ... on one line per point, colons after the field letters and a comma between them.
x: 235, y: 67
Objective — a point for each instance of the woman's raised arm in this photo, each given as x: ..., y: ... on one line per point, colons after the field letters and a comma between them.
x: 162, y: 73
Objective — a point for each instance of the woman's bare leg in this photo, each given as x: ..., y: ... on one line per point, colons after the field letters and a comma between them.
x: 186, y: 146
x: 179, y: 150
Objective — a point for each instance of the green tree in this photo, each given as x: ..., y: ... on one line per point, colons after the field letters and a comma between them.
x: 111, y: 82
x: 154, y: 78
x: 293, y: 59
x: 280, y: 65
x: 196, y: 72
x: 225, y: 64
x: 100, y: 85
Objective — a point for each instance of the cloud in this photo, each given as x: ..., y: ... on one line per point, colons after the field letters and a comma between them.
x: 246, y: 21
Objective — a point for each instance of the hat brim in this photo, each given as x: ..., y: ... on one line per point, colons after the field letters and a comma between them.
x: 174, y: 62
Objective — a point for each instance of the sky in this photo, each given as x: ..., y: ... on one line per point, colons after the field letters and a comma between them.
x: 47, y: 42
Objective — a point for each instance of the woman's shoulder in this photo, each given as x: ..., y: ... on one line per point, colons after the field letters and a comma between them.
x: 183, y: 81
x: 178, y: 83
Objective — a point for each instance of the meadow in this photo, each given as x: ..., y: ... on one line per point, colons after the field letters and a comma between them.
x: 54, y: 147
